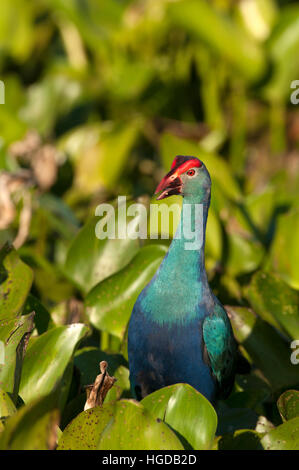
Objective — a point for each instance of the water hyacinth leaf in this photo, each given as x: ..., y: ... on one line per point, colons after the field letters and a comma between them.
x: 186, y: 411
x: 274, y: 301
x: 15, y: 282
x: 265, y: 347
x: 202, y: 20
x: 32, y: 427
x: 14, y: 335
x: 288, y: 405
x: 90, y: 259
x: 284, y: 255
x: 125, y: 424
x: 283, y: 437
x: 109, y: 304
x: 47, y: 359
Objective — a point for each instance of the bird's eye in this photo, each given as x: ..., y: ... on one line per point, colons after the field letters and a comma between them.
x: 191, y: 172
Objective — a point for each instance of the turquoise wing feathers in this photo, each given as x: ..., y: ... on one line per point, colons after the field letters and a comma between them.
x: 221, y: 348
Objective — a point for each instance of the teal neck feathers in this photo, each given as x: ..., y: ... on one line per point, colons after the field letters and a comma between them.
x: 180, y: 284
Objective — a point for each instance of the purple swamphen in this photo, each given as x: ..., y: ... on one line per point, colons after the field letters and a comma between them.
x: 179, y: 331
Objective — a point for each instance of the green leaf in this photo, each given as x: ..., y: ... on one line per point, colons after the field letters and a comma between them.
x: 284, y: 255
x: 32, y: 427
x: 124, y: 425
x: 265, y: 347
x: 288, y: 405
x: 14, y: 335
x: 274, y: 301
x: 109, y: 304
x: 284, y: 437
x: 15, y: 282
x: 90, y: 260
x: 47, y: 358
x: 187, y: 412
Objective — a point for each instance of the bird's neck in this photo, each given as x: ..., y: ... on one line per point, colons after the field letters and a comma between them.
x: 185, y: 260
x: 181, y: 284
x: 188, y: 245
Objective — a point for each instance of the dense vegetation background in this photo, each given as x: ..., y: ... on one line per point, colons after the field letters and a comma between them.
x: 100, y: 95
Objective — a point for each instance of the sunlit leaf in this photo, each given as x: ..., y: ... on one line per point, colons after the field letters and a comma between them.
x: 47, y: 358
x: 284, y: 437
x: 123, y: 425
x: 186, y: 411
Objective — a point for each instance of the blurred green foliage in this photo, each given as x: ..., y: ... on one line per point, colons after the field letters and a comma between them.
x: 100, y: 96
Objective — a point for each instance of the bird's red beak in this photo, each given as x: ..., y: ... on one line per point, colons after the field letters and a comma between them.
x: 171, y: 184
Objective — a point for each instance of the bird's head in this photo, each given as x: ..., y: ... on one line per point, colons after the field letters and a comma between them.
x: 187, y: 177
